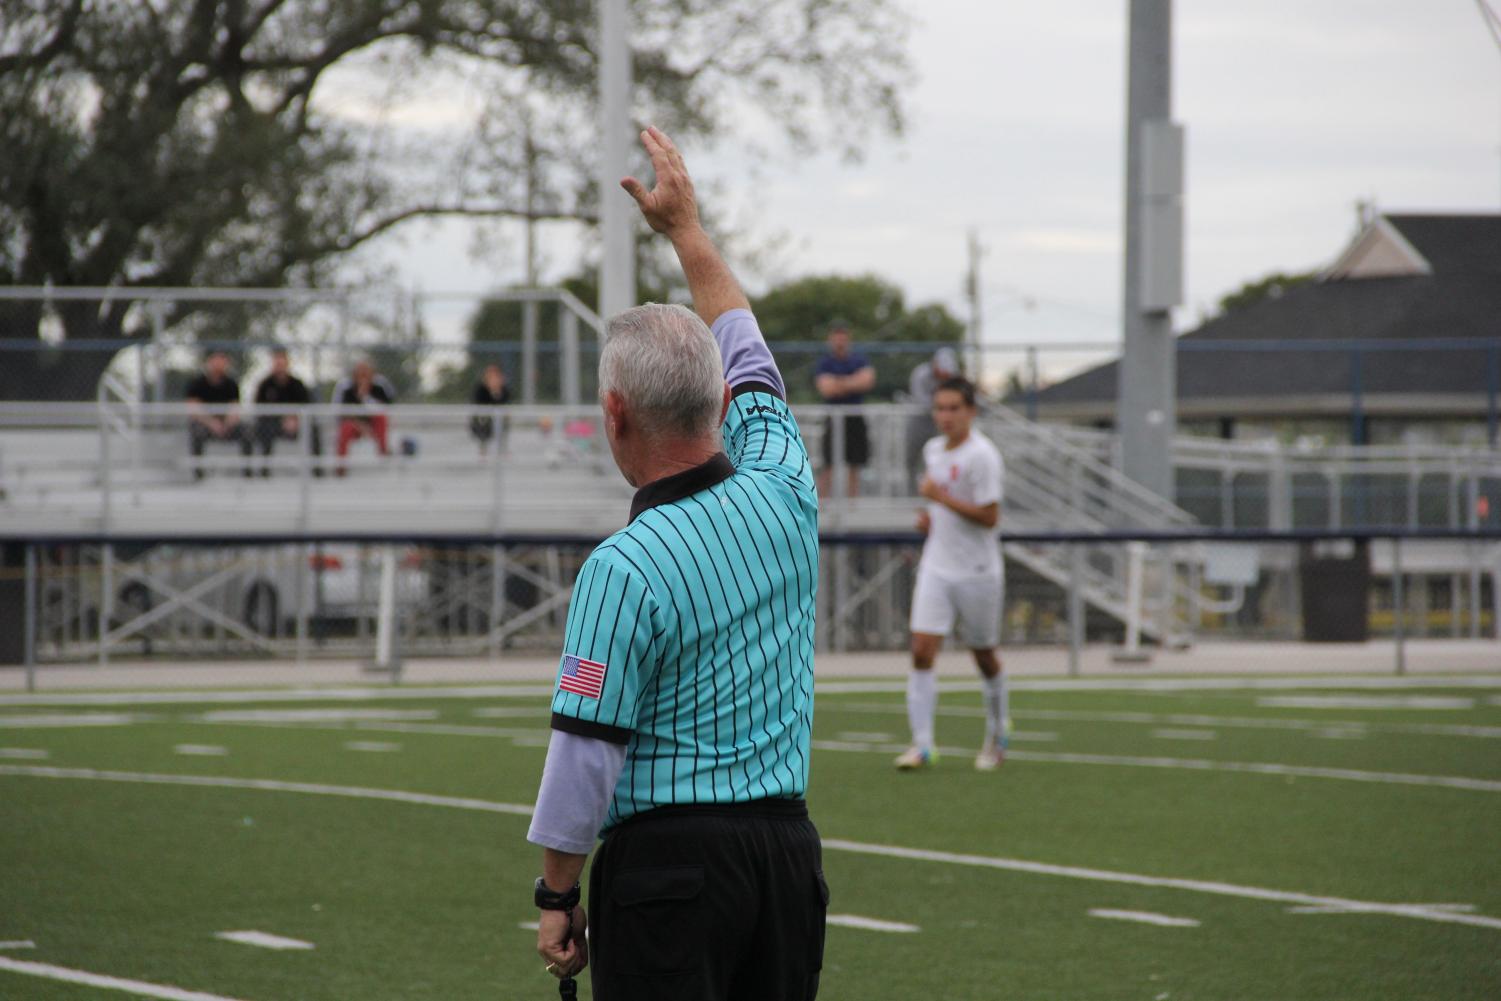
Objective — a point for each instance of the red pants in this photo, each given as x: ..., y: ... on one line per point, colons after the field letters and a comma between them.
x: 372, y: 427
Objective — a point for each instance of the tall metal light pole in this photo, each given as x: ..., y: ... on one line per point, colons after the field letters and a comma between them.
x: 617, y: 262
x: 1146, y: 402
x: 1492, y: 20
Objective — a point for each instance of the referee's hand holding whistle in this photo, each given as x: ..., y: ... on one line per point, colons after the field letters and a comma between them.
x: 561, y: 942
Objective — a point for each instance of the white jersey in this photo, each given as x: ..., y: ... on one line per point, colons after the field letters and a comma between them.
x: 973, y: 472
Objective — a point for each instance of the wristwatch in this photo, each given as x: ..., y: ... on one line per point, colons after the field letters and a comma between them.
x: 550, y: 900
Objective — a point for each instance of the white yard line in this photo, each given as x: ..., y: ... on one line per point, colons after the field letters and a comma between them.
x: 137, y: 987
x: 535, y: 689
x: 1418, y: 911
x: 1451, y: 908
x: 20, y: 943
x: 372, y: 746
x: 201, y: 750
x: 267, y: 785
x: 1143, y: 917
x: 263, y: 940
x: 43, y: 721
x: 1264, y: 768
x: 252, y: 695
x: 313, y: 715
x: 24, y: 753
x: 1166, y: 734
x: 1195, y: 765
x: 1364, y: 702
x: 1191, y: 720
x: 1186, y: 684
x: 870, y: 924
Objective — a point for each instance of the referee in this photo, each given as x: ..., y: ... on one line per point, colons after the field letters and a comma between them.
x: 684, y: 700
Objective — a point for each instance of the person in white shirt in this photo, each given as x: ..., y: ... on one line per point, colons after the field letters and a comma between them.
x: 960, y: 583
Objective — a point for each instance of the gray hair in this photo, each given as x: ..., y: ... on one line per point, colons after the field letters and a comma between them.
x: 663, y: 362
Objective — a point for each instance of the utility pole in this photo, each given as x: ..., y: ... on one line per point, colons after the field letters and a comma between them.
x: 972, y: 292
x: 617, y: 262
x: 1146, y: 402
x: 1492, y: 20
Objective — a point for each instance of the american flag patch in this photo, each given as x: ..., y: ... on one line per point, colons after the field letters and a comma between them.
x: 582, y: 677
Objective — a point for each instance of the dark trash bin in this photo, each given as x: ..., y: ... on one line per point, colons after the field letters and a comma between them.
x: 1335, y: 579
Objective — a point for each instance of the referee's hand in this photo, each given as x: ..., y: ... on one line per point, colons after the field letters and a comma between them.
x: 669, y: 207
x: 561, y: 942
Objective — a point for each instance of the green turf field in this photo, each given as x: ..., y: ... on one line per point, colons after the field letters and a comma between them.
x: 1304, y: 843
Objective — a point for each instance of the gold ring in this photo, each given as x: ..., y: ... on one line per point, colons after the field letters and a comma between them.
x: 552, y: 967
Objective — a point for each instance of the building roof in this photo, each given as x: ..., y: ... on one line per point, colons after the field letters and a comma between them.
x: 1454, y: 244
x: 1455, y: 295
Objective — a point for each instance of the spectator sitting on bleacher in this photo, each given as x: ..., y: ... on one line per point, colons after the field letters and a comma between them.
x: 491, y: 391
x: 214, y: 410
x: 364, y: 387
x: 282, y: 389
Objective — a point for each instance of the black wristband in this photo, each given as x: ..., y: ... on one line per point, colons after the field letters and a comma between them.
x: 550, y: 900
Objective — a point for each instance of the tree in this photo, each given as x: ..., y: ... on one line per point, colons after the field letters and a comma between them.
x: 190, y: 142
x: 875, y: 311
x: 1269, y: 287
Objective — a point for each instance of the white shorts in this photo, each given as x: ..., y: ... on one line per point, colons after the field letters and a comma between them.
x: 970, y: 607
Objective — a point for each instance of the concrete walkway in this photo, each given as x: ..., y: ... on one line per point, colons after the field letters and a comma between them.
x: 1431, y: 657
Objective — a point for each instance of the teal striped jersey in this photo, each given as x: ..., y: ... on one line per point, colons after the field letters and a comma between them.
x: 690, y: 633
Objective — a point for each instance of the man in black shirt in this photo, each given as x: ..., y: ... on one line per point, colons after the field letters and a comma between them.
x: 282, y: 389
x: 214, y: 410
x: 491, y: 391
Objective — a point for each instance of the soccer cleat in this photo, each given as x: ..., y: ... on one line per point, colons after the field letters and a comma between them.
x: 913, y: 758
x: 991, y: 757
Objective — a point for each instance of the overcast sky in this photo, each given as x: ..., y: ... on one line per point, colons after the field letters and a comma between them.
x: 1294, y: 109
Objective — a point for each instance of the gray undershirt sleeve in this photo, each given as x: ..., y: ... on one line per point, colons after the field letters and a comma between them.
x: 744, y: 351
x: 578, y: 781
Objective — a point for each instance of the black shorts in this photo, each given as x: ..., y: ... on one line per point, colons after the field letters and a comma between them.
x: 709, y: 903
x: 856, y: 441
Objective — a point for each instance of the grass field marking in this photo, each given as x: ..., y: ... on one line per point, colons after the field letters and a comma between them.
x: 529, y: 925
x: 19, y: 943
x: 24, y: 753
x: 201, y: 750
x: 1417, y: 911
x: 1195, y: 765
x: 137, y: 987
x: 1450, y: 908
x: 263, y: 940
x: 1143, y: 917
x: 372, y: 746
x: 313, y: 715
x: 268, y: 785
x: 1170, y: 734
x: 244, y: 696
x: 59, y: 721
x: 1196, y: 719
x: 1264, y: 768
x: 1183, y: 684
x: 866, y: 736
x: 871, y: 924
x: 1365, y: 702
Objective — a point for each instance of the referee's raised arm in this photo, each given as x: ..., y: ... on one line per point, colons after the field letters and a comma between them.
x: 671, y: 209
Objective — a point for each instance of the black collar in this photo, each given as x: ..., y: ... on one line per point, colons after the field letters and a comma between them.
x: 684, y: 484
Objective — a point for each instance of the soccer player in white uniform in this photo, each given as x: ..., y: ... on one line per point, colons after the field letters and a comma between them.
x: 959, y: 579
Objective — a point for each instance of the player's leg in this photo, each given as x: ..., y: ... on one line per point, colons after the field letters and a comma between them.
x: 932, y: 618
x: 981, y: 601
